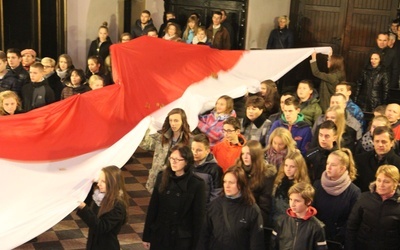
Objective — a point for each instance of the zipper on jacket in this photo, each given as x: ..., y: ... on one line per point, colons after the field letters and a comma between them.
x: 295, y: 236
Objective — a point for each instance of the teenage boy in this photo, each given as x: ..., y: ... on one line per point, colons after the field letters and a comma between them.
x: 299, y: 229
x: 8, y: 80
x: 316, y: 157
x: 217, y: 33
x: 229, y: 149
x: 345, y: 89
x: 255, y: 125
x: 293, y: 120
x: 14, y: 62
x: 206, y: 167
x: 37, y: 93
x: 309, y: 102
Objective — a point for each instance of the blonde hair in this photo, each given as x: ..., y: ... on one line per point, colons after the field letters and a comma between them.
x: 94, y: 78
x: 389, y: 171
x: 346, y: 158
x: 284, y: 17
x: 48, y: 60
x: 305, y: 190
x: 301, y: 174
x: 340, y: 121
x: 229, y: 103
x: 8, y: 94
x: 286, y: 137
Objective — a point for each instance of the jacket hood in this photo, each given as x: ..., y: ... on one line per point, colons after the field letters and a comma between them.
x: 311, y: 211
x: 270, y: 170
x: 300, y: 118
x: 314, y: 98
x: 139, y: 23
x: 209, y: 159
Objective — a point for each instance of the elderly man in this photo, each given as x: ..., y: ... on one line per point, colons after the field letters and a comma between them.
x: 367, y: 163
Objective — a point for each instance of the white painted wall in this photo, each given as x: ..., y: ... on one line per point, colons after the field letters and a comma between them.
x: 84, y: 17
x: 261, y: 20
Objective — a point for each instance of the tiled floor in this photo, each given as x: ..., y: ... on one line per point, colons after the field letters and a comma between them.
x: 71, y: 232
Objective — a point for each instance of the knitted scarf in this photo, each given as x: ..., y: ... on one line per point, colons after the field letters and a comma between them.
x: 275, y: 158
x: 337, y: 187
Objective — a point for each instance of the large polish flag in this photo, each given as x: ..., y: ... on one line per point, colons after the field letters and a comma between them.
x: 50, y: 156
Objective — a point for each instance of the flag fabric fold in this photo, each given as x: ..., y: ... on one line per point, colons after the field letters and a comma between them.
x: 49, y: 156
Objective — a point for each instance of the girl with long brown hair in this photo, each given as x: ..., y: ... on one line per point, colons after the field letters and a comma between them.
x: 108, y: 210
x: 174, y: 130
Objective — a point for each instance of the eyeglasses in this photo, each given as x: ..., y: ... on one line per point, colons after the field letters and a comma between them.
x: 175, y: 159
x: 228, y: 131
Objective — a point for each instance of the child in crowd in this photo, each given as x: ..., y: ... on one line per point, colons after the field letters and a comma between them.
x: 309, y: 102
x: 10, y: 104
x: 190, y: 31
x: 211, y: 124
x: 37, y: 93
x: 64, y: 67
x: 97, y: 67
x: 255, y: 125
x: 96, y: 82
x: 201, y: 36
x: 292, y: 171
x: 206, y: 167
x: 299, y: 228
x: 107, y: 211
x: 380, y: 110
x: 269, y: 92
x: 76, y: 84
x: 227, y: 151
x: 280, y: 144
x: 172, y: 32
x: 293, y: 120
x: 152, y: 32
x: 125, y: 37
x: 175, y: 130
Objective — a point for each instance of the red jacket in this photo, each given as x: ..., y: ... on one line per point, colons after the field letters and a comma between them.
x: 226, y: 153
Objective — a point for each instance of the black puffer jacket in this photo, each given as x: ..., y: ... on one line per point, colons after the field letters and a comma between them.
x: 373, y: 223
x: 10, y: 82
x: 245, y: 223
x: 372, y: 88
x: 316, y: 161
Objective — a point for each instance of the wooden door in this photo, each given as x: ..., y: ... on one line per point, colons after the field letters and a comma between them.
x: 236, y: 11
x: 348, y: 26
x: 364, y: 20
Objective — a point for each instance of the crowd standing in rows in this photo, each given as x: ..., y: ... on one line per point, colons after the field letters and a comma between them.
x: 286, y: 172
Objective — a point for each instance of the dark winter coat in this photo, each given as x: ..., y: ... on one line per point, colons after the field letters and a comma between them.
x: 367, y: 164
x: 372, y: 88
x: 281, y: 198
x: 245, y: 222
x: 316, y: 161
x: 328, y: 84
x: 137, y: 29
x: 211, y: 173
x: 389, y: 59
x: 22, y: 75
x: 348, y: 140
x: 374, y: 224
x: 334, y: 211
x: 175, y: 217
x: 10, y: 82
x: 293, y: 233
x: 280, y: 39
x: 102, y: 50
x: 55, y: 84
x: 263, y: 194
x: 221, y: 39
x: 36, y: 95
x: 103, y: 230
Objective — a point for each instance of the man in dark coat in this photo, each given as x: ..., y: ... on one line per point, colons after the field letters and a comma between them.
x: 389, y: 58
x: 218, y: 34
x: 142, y: 25
x: 383, y: 153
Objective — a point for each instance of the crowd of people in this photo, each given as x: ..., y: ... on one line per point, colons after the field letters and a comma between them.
x: 287, y: 172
